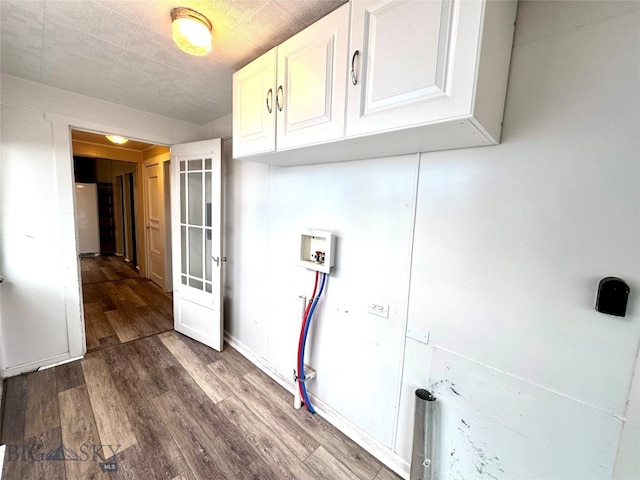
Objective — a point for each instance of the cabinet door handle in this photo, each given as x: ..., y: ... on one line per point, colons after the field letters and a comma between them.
x: 278, y: 98
x: 354, y: 79
x: 270, y: 100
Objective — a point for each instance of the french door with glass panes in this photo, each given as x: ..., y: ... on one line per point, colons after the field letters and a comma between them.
x: 196, y: 219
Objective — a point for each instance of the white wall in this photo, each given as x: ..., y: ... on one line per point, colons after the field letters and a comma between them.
x: 370, y: 210
x: 38, y: 223
x: 509, y: 244
x: 219, y: 128
x: 89, y: 112
x: 520, y: 236
x: 245, y: 243
x: 628, y: 462
x: 29, y: 242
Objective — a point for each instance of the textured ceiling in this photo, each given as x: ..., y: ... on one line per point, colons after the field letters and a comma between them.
x: 121, y: 50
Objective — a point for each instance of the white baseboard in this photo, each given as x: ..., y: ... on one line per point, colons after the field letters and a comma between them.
x: 32, y: 366
x: 68, y: 360
x: 369, y: 443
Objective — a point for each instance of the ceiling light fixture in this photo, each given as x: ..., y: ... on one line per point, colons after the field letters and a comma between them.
x: 191, y: 31
x: 117, y: 139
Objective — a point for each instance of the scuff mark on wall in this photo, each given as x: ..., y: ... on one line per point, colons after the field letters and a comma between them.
x: 468, y: 453
x: 485, y: 465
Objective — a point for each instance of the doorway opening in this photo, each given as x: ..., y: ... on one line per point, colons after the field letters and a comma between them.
x: 121, y: 300
x: 125, y: 219
x: 106, y: 207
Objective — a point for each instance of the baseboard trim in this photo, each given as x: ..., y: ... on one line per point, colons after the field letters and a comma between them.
x: 376, y: 448
x: 68, y: 360
x: 32, y: 366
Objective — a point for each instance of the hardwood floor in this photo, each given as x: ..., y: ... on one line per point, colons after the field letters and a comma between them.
x: 168, y: 407
x: 105, y: 268
x: 119, y: 306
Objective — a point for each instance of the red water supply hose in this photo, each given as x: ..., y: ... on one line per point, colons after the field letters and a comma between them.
x: 304, y: 322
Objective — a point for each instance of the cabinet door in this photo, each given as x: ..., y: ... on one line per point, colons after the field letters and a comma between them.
x: 254, y: 108
x: 415, y: 62
x: 312, y: 69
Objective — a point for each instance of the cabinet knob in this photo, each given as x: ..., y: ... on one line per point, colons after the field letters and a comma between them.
x: 270, y: 100
x: 354, y: 79
x: 280, y: 90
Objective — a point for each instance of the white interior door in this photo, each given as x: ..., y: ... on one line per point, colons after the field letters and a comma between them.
x: 196, y: 223
x: 154, y: 217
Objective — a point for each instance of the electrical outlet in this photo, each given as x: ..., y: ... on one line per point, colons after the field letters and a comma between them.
x: 379, y: 309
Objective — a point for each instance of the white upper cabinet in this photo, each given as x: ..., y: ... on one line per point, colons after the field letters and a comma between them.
x: 416, y: 63
x: 254, y: 119
x: 311, y: 91
x: 304, y: 103
x: 419, y: 75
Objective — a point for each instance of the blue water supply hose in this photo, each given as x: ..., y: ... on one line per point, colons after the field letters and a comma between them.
x: 307, y: 402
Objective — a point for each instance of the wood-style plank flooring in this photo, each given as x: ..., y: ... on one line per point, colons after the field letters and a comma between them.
x: 119, y: 306
x: 105, y: 268
x: 168, y: 407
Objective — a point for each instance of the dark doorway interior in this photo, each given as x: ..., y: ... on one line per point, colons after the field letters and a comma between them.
x: 125, y: 218
x: 115, y: 181
x: 106, y: 219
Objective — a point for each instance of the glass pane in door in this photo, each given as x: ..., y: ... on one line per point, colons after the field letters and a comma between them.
x: 183, y: 202
x: 195, y: 252
x: 195, y: 198
x: 207, y: 196
x: 208, y: 253
x: 183, y: 233
x: 196, y: 224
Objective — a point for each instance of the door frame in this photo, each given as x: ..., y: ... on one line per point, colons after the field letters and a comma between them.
x: 125, y: 219
x: 63, y: 160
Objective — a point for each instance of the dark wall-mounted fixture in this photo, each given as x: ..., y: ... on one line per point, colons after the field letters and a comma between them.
x: 612, y: 297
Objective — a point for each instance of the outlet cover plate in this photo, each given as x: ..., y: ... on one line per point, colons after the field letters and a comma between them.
x: 378, y: 308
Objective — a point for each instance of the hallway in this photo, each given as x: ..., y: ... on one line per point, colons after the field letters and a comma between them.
x: 119, y: 306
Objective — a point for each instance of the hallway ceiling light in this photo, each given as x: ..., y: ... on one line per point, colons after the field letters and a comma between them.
x: 117, y: 139
x: 191, y: 31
